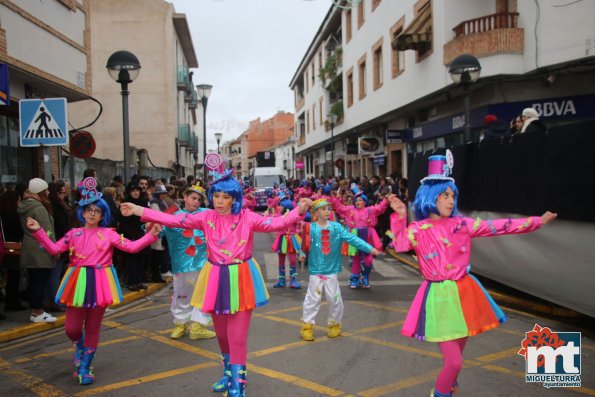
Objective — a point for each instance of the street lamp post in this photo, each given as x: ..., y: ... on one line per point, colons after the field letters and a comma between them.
x: 332, y: 119
x: 218, y: 136
x: 204, y: 90
x: 464, y: 70
x: 124, y: 67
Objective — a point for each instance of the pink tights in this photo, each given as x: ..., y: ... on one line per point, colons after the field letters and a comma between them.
x: 232, y: 334
x: 292, y: 260
x: 452, y: 355
x: 90, y: 318
x: 357, y: 259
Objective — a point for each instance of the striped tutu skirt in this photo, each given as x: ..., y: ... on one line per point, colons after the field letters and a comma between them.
x: 227, y: 289
x: 287, y: 244
x: 84, y: 286
x: 449, y: 309
x: 368, y: 234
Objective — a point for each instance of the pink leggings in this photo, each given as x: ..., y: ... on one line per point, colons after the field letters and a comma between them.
x: 282, y: 260
x: 90, y: 318
x: 356, y: 260
x: 232, y: 334
x: 452, y: 355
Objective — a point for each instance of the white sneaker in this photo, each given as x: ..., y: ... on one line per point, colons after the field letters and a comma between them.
x: 167, y: 274
x: 43, y: 318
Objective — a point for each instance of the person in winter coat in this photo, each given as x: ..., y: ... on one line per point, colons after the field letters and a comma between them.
x: 494, y: 128
x: 36, y: 260
x: 531, y: 122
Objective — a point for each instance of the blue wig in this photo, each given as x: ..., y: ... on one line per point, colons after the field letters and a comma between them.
x: 426, y: 196
x: 286, y: 204
x: 363, y: 197
x: 100, y: 203
x: 232, y: 187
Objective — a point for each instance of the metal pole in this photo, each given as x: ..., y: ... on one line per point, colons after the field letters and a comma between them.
x: 125, y: 94
x: 467, y: 135
x: 47, y: 163
x: 204, y: 135
x: 332, y: 149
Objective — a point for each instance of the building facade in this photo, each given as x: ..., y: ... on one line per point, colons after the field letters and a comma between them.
x: 45, y: 49
x: 386, y: 64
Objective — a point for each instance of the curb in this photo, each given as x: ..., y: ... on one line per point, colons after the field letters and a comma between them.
x: 505, y: 299
x: 34, y: 328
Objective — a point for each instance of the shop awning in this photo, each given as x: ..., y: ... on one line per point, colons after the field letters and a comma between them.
x: 418, y: 33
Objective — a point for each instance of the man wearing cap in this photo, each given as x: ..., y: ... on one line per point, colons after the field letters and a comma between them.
x: 37, y: 261
x: 188, y: 252
x: 531, y: 122
x: 494, y: 128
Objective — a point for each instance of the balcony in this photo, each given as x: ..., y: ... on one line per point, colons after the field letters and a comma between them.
x: 193, y: 145
x: 192, y: 100
x: 184, y: 134
x: 487, y: 35
x: 302, y: 140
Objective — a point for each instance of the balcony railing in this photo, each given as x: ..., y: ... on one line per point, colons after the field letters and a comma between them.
x: 487, y: 23
x: 193, y: 146
x: 184, y: 134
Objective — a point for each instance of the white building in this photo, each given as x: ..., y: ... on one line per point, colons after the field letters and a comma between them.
x: 394, y: 83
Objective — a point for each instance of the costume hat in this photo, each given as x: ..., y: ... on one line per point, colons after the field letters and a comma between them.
x: 319, y: 203
x: 439, y: 168
x: 89, y: 193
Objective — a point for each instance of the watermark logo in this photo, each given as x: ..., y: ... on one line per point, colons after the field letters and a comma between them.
x: 552, y: 358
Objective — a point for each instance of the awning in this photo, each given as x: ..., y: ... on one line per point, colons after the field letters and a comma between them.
x: 418, y: 33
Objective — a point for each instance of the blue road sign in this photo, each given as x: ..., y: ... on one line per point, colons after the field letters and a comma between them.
x: 43, y: 122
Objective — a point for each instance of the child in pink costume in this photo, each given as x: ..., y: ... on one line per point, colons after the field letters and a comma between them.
x: 230, y: 284
x: 287, y: 243
x: 362, y: 220
x: 91, y: 283
x: 451, y: 304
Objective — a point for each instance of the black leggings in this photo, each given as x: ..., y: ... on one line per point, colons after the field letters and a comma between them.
x: 38, y: 282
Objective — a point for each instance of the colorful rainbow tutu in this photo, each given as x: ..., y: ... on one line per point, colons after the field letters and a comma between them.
x: 85, y: 286
x: 227, y: 289
x: 447, y: 310
x: 287, y: 244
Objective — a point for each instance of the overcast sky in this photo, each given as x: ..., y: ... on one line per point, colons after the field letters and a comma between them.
x: 249, y: 50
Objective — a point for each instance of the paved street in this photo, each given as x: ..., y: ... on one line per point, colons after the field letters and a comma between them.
x: 136, y: 357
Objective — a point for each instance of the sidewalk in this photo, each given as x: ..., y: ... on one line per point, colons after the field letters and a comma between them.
x: 17, y: 324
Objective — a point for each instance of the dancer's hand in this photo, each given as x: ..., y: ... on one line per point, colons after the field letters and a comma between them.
x: 128, y: 209
x: 375, y: 252
x: 154, y: 228
x: 301, y: 258
x: 545, y: 218
x: 32, y: 224
x: 304, y: 205
x: 397, y: 205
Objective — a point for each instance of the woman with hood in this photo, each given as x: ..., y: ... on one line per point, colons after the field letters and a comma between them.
x: 39, y: 264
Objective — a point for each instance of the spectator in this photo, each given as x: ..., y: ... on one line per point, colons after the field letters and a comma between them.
x: 61, y: 212
x: 159, y: 255
x: 190, y: 180
x: 38, y: 262
x: 531, y: 122
x: 109, y: 196
x: 11, y: 224
x: 494, y: 128
x: 516, y: 125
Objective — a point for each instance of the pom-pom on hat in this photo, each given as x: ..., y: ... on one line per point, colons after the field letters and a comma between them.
x: 319, y: 203
x: 488, y: 119
x: 440, y: 168
x: 37, y: 185
x: 89, y: 193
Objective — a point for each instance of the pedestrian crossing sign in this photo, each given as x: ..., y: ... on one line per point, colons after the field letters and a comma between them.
x: 43, y: 122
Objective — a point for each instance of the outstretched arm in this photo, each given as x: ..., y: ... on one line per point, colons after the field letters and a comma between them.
x: 273, y: 224
x: 499, y: 227
x: 41, y: 236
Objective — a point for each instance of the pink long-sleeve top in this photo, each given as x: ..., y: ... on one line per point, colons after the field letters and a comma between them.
x: 229, y: 237
x: 359, y: 218
x: 443, y: 247
x: 92, y: 247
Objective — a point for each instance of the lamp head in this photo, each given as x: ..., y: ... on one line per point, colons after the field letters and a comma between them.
x: 204, y: 90
x: 464, y: 69
x: 218, y: 136
x: 123, y: 66
x: 332, y: 118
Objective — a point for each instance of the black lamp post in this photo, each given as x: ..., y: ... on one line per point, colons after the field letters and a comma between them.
x: 464, y: 70
x: 332, y: 119
x: 204, y: 90
x: 124, y: 67
x: 218, y: 136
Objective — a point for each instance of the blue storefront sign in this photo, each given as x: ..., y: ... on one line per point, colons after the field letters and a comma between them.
x: 4, y: 86
x: 575, y: 107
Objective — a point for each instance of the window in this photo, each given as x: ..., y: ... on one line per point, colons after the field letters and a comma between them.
x: 377, y: 64
x: 313, y: 74
x: 348, y: 24
x: 350, y: 87
x: 306, y: 81
x: 375, y: 4
x: 397, y: 61
x: 320, y: 58
x: 313, y: 116
x: 361, y: 18
x: 362, y: 77
x: 320, y: 109
x: 307, y: 122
